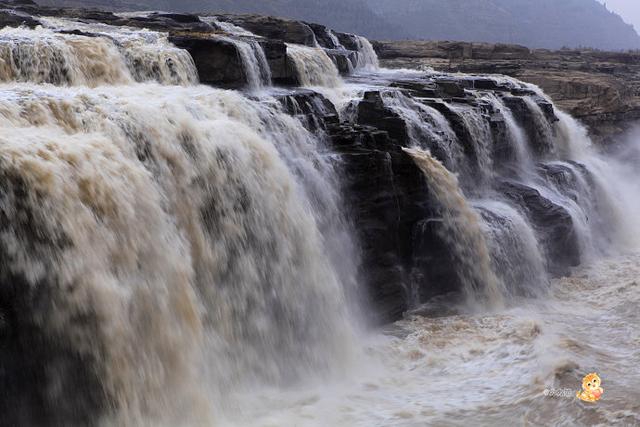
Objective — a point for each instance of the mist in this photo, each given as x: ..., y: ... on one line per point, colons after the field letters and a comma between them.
x: 536, y: 24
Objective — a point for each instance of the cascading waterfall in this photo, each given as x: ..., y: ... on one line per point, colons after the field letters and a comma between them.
x: 254, y: 60
x: 544, y: 131
x: 204, y: 173
x: 118, y: 56
x: 314, y: 66
x: 172, y: 249
x: 481, y: 140
x: 42, y: 56
x: 228, y: 27
x: 516, y: 255
x: 609, y: 213
x: 427, y: 128
x: 516, y: 136
x: 367, y: 57
x: 515, y: 264
x: 188, y: 224
x: 462, y: 230
x: 334, y: 39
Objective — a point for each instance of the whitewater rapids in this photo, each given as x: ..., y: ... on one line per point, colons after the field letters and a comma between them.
x: 489, y: 369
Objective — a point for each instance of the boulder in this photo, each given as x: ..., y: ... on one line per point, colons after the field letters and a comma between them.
x: 10, y: 18
x: 314, y: 110
x: 541, y: 139
x: 343, y: 60
x: 373, y: 112
x: 217, y: 61
x: 286, y: 30
x: 283, y: 71
x: 552, y: 222
x: 348, y: 41
x: 322, y: 36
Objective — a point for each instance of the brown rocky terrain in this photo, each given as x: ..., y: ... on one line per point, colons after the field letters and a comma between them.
x: 600, y: 88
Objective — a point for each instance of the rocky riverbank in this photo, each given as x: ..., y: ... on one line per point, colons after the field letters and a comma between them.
x: 600, y: 88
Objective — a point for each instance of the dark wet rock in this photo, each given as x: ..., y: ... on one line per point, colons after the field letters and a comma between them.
x: 373, y: 112
x: 552, y: 222
x: 322, y: 36
x: 271, y: 27
x: 378, y: 190
x: 9, y: 18
x: 418, y: 88
x: 314, y: 110
x: 348, y: 41
x: 218, y: 61
x: 283, y: 71
x: 451, y: 88
x: 343, y: 59
x: 540, y: 137
x: 464, y: 138
x: 182, y: 18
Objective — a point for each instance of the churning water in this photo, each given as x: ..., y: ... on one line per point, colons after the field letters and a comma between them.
x: 191, y: 246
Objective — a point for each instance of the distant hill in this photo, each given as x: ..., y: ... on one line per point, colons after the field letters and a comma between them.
x: 534, y: 23
x: 352, y: 16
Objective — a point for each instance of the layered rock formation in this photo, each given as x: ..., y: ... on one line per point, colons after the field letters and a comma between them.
x: 600, y: 88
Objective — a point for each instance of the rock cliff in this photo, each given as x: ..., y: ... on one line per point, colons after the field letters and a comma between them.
x: 600, y: 88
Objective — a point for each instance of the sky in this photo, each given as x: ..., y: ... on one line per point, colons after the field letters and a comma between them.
x: 628, y: 9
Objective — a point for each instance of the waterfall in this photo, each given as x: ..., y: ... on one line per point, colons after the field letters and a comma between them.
x: 544, y: 135
x: 480, y: 140
x: 334, y: 39
x: 116, y: 57
x: 178, y: 246
x: 314, y: 67
x: 254, y: 62
x: 42, y: 56
x: 367, y: 57
x: 516, y: 136
x: 462, y: 230
x: 612, y: 212
x: 227, y: 27
x: 516, y: 254
x: 427, y: 128
x: 173, y: 253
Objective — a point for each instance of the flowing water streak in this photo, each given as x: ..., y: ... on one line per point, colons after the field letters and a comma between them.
x: 163, y: 198
x: 462, y: 230
x: 427, y: 128
x: 314, y: 67
x: 148, y: 55
x: 616, y: 210
x: 254, y: 60
x: 481, y: 139
x: 334, y: 39
x: 544, y: 131
x: 42, y: 56
x: 228, y: 27
x: 367, y: 57
x: 516, y: 254
x: 516, y: 136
